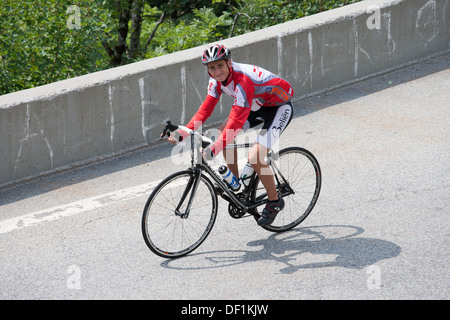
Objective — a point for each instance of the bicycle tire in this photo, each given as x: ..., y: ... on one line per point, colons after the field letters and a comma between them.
x: 301, y: 169
x: 168, y: 234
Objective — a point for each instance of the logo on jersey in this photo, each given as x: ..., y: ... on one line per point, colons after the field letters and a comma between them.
x: 279, y: 92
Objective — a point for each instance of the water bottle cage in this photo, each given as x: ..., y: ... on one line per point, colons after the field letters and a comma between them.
x: 247, y: 174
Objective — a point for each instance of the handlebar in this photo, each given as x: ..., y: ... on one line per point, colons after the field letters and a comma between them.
x: 172, y: 127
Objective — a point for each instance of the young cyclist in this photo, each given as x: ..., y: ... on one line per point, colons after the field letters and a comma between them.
x: 259, y: 97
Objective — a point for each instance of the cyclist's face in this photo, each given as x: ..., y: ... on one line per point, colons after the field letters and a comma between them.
x: 219, y: 70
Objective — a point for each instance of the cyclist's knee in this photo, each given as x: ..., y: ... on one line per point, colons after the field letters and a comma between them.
x: 257, y: 155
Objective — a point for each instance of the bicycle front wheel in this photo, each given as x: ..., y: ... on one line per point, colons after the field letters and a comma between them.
x: 300, y: 172
x: 168, y: 231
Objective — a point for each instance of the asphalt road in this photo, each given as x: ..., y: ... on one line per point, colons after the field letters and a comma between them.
x: 380, y: 229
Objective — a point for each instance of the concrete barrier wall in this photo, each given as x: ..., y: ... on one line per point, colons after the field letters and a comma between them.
x: 76, y: 121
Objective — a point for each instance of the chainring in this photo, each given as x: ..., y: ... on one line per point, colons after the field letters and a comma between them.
x: 234, y: 211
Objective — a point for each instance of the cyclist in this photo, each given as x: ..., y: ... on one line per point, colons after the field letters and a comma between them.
x: 259, y: 97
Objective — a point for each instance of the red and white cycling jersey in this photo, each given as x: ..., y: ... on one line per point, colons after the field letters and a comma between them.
x: 252, y: 88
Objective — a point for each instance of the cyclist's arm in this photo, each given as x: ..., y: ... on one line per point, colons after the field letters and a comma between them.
x: 208, y: 105
x: 203, y: 113
x: 236, y: 119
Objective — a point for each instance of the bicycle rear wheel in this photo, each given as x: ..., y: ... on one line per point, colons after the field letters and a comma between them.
x: 301, y: 170
x: 166, y: 228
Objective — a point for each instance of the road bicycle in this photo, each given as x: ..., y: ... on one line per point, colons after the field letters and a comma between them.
x: 180, y: 212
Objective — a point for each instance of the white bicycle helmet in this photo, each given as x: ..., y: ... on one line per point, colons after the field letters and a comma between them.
x: 214, y: 53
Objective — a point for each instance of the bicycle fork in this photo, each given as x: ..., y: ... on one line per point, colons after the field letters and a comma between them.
x: 191, y: 188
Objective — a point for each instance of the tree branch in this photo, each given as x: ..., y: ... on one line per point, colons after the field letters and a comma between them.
x: 136, y: 24
x: 107, y: 48
x: 237, y: 13
x: 161, y: 20
x: 124, y: 18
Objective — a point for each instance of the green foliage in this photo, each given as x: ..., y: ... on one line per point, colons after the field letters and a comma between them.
x: 41, y: 41
x: 37, y: 46
x: 202, y: 28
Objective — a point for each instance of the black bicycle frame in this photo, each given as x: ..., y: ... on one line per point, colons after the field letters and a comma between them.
x: 197, y: 167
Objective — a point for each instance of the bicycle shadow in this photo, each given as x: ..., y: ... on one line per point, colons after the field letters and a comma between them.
x: 301, y: 248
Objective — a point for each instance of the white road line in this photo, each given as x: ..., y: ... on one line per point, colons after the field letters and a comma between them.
x: 74, y: 208
x: 80, y: 206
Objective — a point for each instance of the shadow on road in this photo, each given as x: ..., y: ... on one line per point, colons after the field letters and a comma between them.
x: 302, y: 248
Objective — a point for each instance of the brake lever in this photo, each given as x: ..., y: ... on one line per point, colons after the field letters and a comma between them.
x: 165, y: 133
x: 167, y: 129
x: 171, y: 126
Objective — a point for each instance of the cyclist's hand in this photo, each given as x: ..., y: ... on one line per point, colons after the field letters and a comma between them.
x: 175, y: 137
x: 208, y: 154
x: 172, y: 138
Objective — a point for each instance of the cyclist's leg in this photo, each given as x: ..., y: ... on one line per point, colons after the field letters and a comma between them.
x: 265, y: 174
x: 256, y: 157
x: 230, y: 155
x: 276, y: 121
